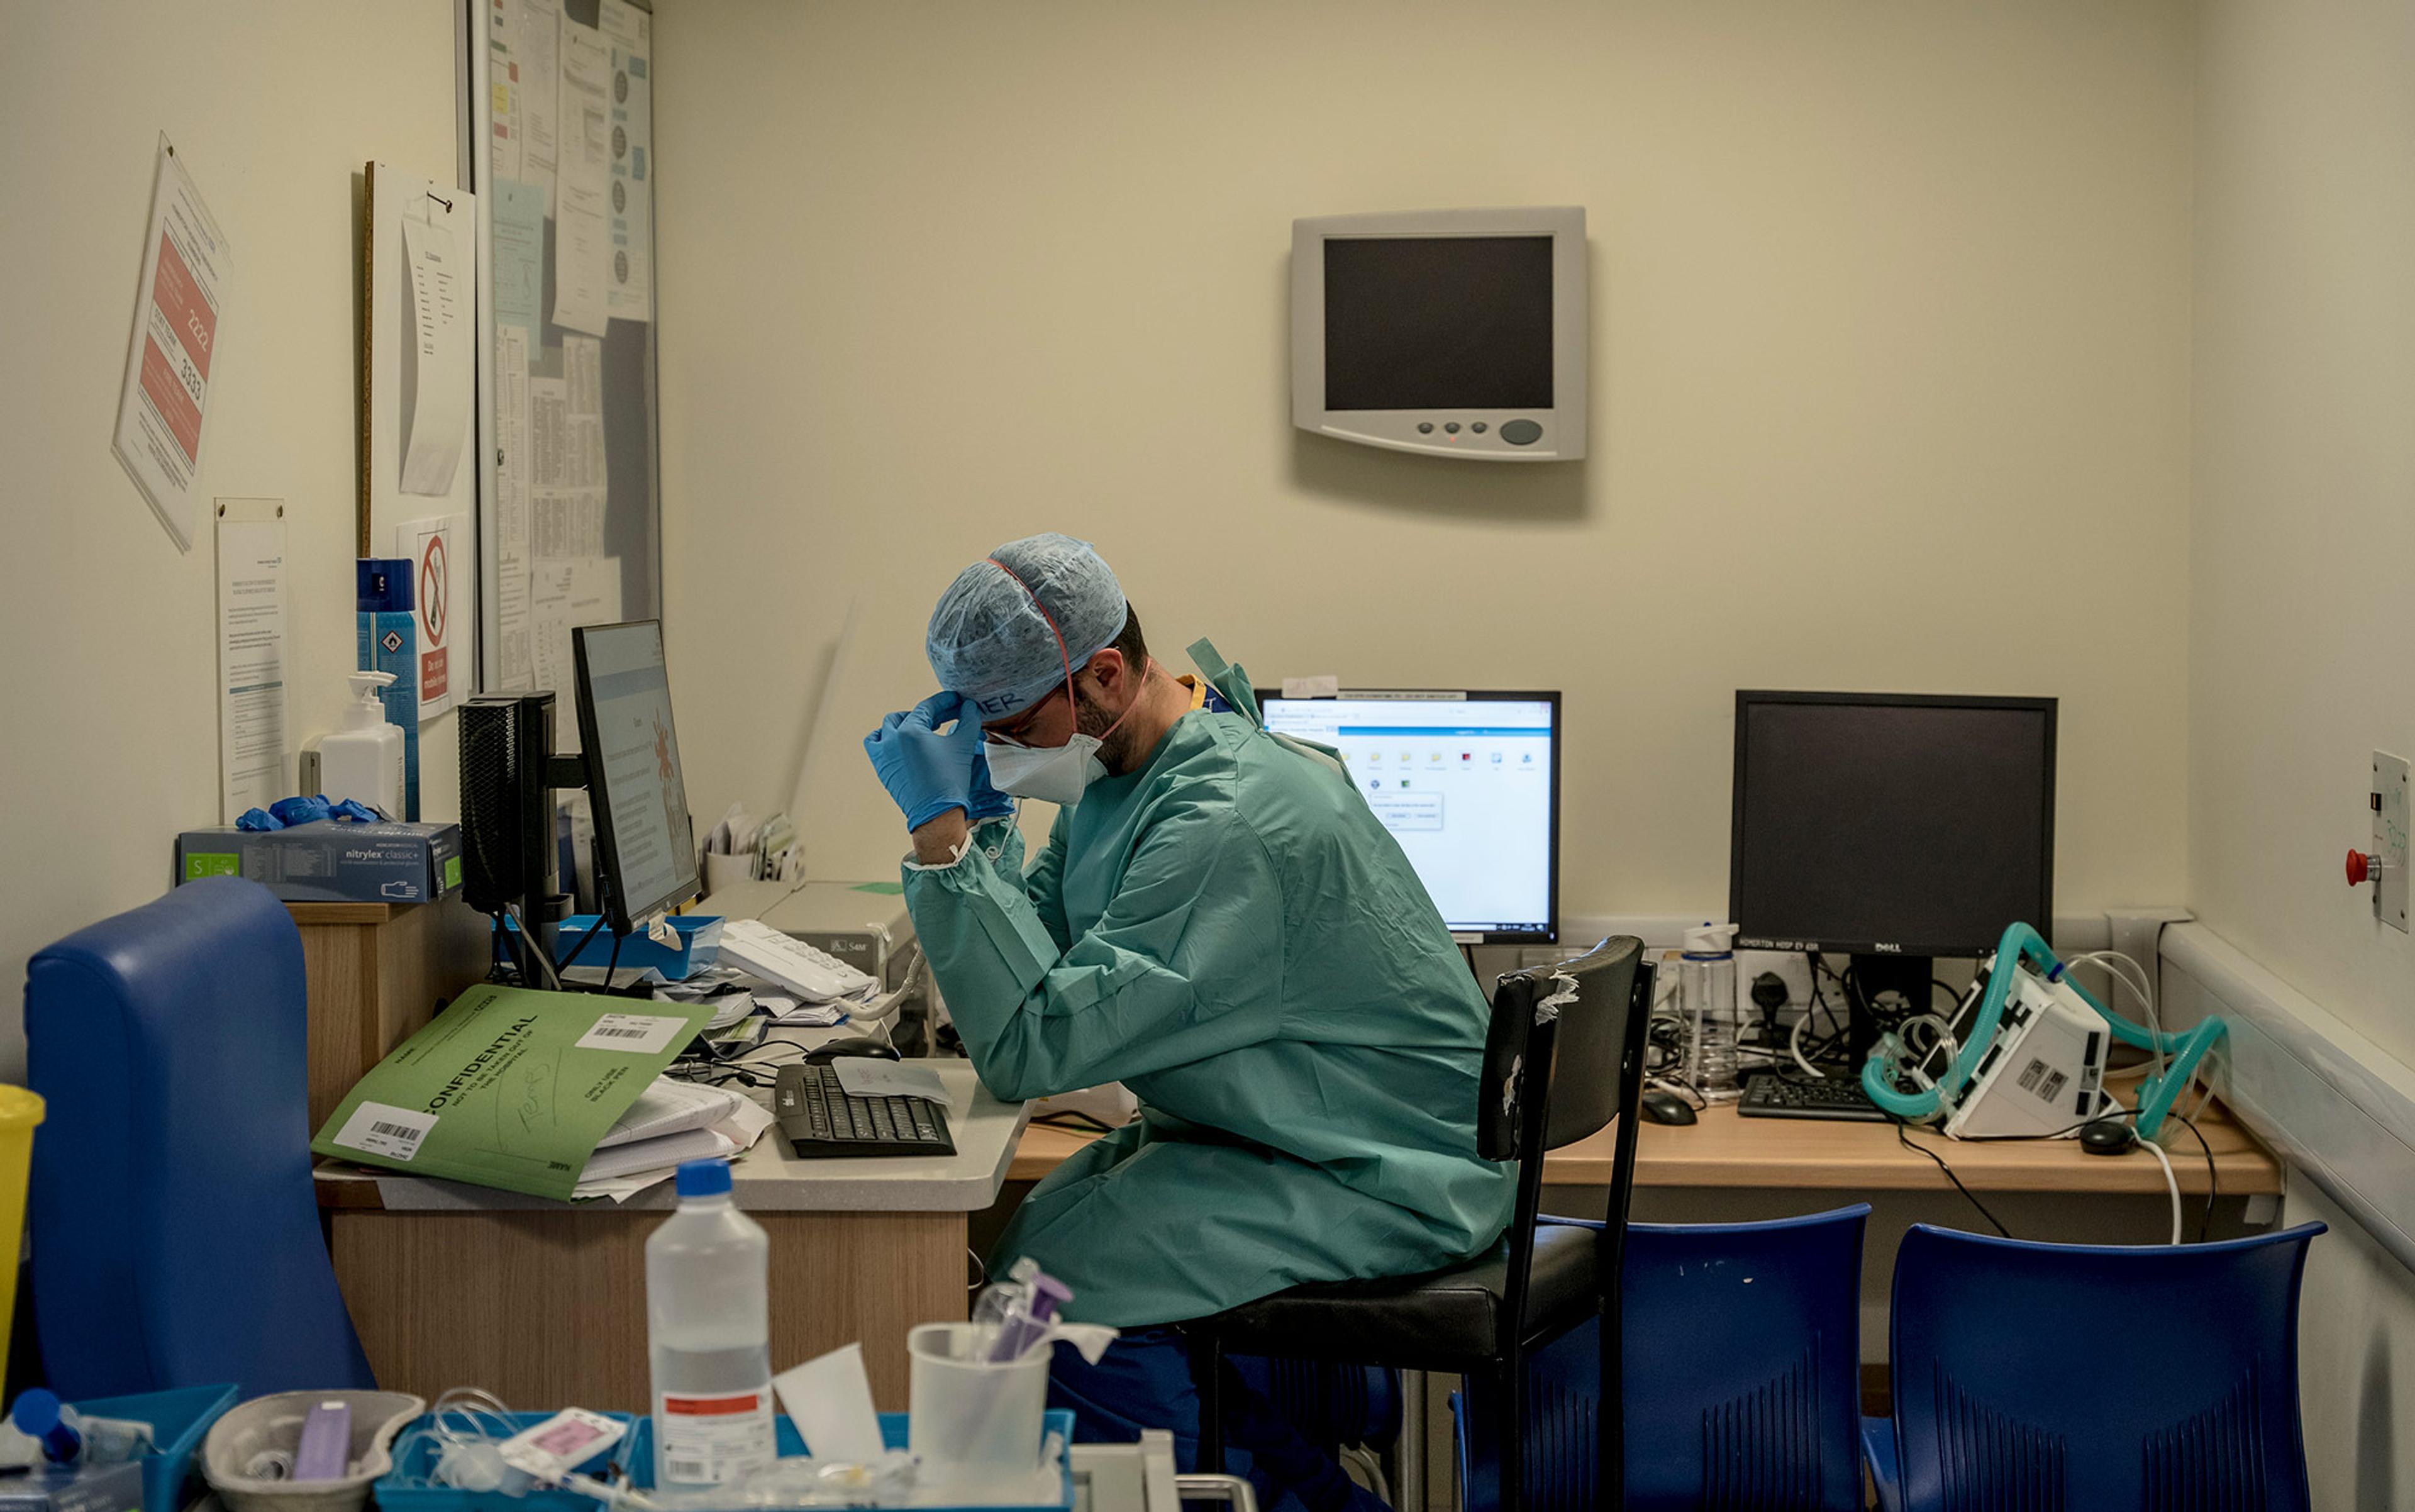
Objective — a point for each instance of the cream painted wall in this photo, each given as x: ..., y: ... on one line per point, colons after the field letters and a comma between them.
x: 109, y: 745
x: 2303, y: 635
x: 1891, y: 312
x: 2301, y: 624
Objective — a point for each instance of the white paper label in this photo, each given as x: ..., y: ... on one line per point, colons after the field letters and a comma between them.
x: 711, y: 1441
x: 864, y: 1076
x: 640, y: 1034
x: 379, y: 1129
x: 561, y: 1444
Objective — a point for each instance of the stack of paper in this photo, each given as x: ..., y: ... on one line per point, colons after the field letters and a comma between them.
x: 672, y: 1122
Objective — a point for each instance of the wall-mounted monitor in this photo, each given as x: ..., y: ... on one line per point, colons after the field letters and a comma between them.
x: 1453, y: 333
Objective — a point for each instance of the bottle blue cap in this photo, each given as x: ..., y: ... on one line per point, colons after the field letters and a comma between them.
x: 36, y: 1412
x: 704, y: 1178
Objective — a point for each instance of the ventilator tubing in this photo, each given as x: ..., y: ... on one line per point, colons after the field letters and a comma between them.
x: 2155, y: 1094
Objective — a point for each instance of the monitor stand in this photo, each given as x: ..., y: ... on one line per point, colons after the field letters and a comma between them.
x: 1908, y: 975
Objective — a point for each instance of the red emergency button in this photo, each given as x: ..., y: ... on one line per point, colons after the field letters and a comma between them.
x: 2360, y: 867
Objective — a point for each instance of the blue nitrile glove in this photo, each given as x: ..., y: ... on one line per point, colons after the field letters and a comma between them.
x: 987, y: 802
x: 927, y: 772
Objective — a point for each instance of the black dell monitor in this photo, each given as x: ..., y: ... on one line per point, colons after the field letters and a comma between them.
x: 645, y: 848
x: 1892, y: 828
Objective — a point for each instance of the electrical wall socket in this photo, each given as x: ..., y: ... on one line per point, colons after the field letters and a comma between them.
x: 1790, y: 967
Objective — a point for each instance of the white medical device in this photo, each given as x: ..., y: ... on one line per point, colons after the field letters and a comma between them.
x: 2045, y: 1072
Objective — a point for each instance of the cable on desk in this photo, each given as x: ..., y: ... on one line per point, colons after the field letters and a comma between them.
x: 1075, y: 1120
x: 701, y: 1062
x: 2212, y: 1180
x: 1905, y: 1140
x: 2213, y: 1176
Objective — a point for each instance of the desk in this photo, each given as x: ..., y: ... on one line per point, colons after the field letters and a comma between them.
x: 372, y: 973
x: 1726, y: 1151
x: 542, y: 1303
x: 1725, y: 1168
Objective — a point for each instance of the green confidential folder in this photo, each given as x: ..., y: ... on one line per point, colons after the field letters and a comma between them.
x: 508, y: 1087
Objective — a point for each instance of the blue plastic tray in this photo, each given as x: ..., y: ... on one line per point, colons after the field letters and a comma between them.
x: 637, y: 1453
x: 414, y: 1457
x: 178, y: 1420
x: 695, y: 945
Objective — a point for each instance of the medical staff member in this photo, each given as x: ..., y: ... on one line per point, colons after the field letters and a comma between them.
x: 1218, y: 921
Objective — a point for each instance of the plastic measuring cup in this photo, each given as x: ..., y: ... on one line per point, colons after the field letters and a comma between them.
x: 966, y: 1413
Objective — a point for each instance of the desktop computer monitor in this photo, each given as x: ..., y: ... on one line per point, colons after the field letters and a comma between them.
x: 1892, y: 828
x: 1469, y: 784
x: 645, y: 848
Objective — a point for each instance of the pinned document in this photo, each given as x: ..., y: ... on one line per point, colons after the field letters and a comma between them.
x: 165, y: 397
x: 438, y: 364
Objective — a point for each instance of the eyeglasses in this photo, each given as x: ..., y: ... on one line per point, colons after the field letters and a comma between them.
x: 1014, y: 729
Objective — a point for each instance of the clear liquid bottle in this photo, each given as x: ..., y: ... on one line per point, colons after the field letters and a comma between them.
x: 709, y: 1323
x: 1706, y: 986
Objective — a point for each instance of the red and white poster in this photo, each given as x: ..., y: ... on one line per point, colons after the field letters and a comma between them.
x: 439, y: 600
x: 165, y: 400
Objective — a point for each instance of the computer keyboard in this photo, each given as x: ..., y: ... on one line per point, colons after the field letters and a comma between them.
x: 1771, y: 1095
x: 819, y: 1118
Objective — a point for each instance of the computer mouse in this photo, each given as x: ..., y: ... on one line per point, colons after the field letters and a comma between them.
x: 1667, y: 1108
x: 824, y: 1053
x: 2109, y: 1136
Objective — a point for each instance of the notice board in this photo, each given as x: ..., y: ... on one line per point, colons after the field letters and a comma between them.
x: 569, y: 531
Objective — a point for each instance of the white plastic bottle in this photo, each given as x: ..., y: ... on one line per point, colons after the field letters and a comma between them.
x: 1706, y: 984
x: 709, y: 1320
x: 363, y: 760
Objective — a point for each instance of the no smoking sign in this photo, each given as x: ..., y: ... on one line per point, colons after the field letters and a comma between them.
x: 430, y: 547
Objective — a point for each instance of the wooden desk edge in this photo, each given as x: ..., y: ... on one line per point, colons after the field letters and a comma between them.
x: 2242, y: 1167
x: 345, y: 913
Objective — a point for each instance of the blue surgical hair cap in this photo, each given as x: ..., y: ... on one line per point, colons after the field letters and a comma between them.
x: 995, y: 637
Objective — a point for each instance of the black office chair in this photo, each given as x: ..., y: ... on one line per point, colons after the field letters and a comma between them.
x: 1564, y: 1058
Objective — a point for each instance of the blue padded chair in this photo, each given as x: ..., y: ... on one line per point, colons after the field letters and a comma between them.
x: 175, y: 1234
x: 1742, y: 1370
x: 2162, y: 1378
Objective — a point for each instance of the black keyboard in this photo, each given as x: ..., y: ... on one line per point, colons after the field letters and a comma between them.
x: 822, y: 1119
x: 1771, y: 1096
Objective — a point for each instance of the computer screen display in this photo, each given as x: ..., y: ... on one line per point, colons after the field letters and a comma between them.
x: 645, y: 848
x: 1891, y: 824
x: 1468, y: 783
x: 1432, y: 322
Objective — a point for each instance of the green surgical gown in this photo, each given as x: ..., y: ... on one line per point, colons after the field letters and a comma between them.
x: 1230, y: 932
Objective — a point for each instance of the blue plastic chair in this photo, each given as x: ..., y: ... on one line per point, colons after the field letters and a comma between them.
x: 1742, y: 1364
x: 175, y: 1234
x: 2111, y: 1377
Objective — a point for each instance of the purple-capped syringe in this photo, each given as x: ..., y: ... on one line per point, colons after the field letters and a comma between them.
x: 1026, y: 1325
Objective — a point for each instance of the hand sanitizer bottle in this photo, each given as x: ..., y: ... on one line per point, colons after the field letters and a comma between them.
x: 363, y: 760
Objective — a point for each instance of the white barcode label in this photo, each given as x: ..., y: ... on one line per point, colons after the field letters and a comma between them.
x: 379, y: 1129
x: 640, y: 1034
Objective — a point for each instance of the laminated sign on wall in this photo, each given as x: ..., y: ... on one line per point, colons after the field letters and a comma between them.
x: 430, y: 547
x: 165, y: 396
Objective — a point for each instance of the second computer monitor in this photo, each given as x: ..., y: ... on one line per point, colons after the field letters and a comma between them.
x: 1468, y: 783
x: 1892, y: 828
x: 645, y: 848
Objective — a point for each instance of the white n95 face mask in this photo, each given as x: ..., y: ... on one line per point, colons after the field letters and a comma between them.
x: 1052, y: 773
x: 1056, y: 773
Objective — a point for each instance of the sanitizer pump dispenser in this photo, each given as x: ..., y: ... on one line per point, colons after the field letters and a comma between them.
x: 363, y: 760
